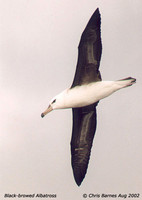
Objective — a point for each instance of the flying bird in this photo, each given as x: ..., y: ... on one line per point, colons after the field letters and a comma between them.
x: 84, y: 94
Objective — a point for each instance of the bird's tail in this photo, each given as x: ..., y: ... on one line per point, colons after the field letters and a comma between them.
x: 126, y: 82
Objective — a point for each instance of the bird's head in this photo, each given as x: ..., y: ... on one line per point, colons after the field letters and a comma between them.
x: 58, y: 102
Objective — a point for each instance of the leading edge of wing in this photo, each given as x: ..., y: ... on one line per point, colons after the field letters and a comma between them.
x: 84, y: 127
x: 89, y: 52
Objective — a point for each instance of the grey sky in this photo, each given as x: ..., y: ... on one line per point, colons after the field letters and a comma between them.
x: 38, y: 54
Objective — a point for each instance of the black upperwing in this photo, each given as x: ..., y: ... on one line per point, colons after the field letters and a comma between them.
x: 84, y: 118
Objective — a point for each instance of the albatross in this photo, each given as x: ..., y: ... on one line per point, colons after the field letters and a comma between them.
x: 84, y: 94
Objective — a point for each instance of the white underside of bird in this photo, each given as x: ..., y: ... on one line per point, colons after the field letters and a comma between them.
x: 88, y: 94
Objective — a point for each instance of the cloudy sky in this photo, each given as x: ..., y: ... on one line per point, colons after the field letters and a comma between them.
x: 38, y: 55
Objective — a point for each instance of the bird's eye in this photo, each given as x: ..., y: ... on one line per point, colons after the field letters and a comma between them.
x: 54, y: 101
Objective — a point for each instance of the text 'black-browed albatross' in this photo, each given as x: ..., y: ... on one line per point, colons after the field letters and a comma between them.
x: 83, y: 96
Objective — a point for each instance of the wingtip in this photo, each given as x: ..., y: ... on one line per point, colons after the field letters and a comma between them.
x: 97, y: 11
x: 79, y: 174
x: 95, y: 19
x: 78, y: 180
x: 78, y: 183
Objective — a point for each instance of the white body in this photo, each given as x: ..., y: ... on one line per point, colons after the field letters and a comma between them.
x: 84, y: 95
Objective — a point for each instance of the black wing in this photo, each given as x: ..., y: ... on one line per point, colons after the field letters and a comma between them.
x: 84, y: 118
x: 84, y: 126
x: 89, y: 53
